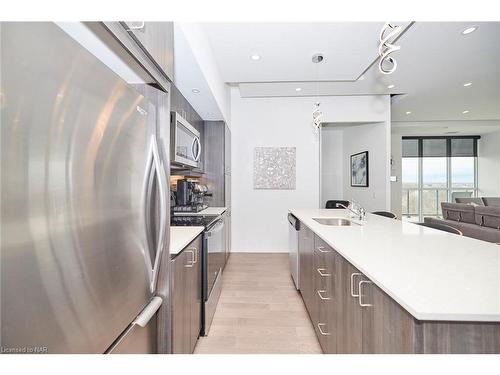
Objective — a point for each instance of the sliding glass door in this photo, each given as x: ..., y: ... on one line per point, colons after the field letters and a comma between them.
x: 435, y: 170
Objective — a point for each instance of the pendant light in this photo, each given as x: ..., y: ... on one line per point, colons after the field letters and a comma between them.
x: 317, y: 115
x: 388, y: 34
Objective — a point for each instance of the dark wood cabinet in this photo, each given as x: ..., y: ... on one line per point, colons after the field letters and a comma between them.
x: 325, y: 295
x: 227, y: 150
x: 186, y: 298
x: 352, y: 315
x: 349, y: 322
x: 157, y: 39
x: 214, y: 177
x: 387, y: 327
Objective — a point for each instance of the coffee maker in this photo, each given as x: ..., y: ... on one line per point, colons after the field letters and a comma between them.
x: 189, y: 196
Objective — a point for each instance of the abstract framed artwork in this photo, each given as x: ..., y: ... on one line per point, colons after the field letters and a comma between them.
x: 274, y: 168
x: 359, y: 169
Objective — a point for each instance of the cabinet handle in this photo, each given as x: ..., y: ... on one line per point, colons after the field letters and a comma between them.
x: 194, y: 250
x: 139, y: 27
x: 320, y: 249
x: 353, y: 275
x: 321, y: 296
x: 321, y: 331
x: 192, y: 259
x: 320, y: 271
x: 360, y: 284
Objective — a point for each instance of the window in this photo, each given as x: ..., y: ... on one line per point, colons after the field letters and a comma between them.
x: 435, y: 170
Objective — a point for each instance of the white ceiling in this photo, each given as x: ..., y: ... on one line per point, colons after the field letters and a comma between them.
x: 286, y: 50
x: 188, y: 76
x: 434, y: 62
x: 445, y: 127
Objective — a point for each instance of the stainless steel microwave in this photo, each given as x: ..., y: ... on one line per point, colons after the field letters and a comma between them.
x: 185, y: 145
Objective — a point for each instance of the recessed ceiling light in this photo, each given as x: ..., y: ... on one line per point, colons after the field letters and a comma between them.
x: 469, y: 30
x: 255, y: 57
x: 465, y: 112
x: 408, y: 112
x: 196, y: 91
x: 298, y: 89
x: 391, y: 86
x: 467, y: 84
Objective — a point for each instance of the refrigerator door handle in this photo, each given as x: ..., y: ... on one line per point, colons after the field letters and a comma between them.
x: 162, y: 187
x: 149, y: 311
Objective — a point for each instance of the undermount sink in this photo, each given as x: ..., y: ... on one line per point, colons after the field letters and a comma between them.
x: 334, y: 221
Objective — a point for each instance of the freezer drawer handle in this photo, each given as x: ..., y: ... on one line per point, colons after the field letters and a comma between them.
x: 145, y: 316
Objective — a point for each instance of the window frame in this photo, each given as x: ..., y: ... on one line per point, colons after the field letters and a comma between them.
x: 449, y: 188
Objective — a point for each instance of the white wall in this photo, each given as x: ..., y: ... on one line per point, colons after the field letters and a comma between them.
x: 332, y: 171
x: 259, y: 221
x: 396, y: 170
x: 374, y: 138
x: 489, y: 165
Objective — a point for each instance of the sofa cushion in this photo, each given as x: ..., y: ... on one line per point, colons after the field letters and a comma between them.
x: 459, y: 212
x: 488, y: 216
x: 476, y: 201
x: 491, y: 201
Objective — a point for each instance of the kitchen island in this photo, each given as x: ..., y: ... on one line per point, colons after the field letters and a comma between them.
x: 384, y: 285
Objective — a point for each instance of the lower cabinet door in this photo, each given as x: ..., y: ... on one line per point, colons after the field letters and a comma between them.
x: 180, y: 313
x: 387, y: 327
x: 350, y: 324
x: 195, y: 287
x: 325, y: 295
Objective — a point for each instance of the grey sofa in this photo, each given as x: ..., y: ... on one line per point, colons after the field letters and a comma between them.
x: 481, y: 222
x: 484, y: 201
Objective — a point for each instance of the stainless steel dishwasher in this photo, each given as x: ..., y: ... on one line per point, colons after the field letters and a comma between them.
x: 214, y: 257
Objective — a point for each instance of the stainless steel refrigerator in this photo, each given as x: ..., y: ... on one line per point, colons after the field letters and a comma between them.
x: 84, y: 214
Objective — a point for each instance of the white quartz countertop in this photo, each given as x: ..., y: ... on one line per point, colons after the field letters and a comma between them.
x: 210, y: 211
x: 180, y: 237
x: 434, y: 275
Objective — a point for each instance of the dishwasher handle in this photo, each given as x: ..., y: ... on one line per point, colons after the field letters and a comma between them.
x: 215, y: 228
x: 294, y: 222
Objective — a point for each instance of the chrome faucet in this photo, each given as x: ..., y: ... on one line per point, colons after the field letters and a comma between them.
x: 360, y: 212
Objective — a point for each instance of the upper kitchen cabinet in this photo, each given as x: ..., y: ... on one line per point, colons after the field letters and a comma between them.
x: 214, y: 162
x: 157, y: 40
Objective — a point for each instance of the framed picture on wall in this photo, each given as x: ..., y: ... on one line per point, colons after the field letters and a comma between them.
x: 359, y: 169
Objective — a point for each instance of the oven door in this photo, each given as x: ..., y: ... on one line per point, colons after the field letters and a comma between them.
x: 186, y: 145
x: 215, y: 244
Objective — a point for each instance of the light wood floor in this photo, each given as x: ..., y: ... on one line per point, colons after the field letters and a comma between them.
x: 259, y: 310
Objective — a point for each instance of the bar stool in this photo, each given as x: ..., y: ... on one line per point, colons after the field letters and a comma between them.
x: 388, y: 214
x: 442, y: 227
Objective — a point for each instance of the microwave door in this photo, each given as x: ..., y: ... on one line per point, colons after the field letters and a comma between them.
x: 187, y: 143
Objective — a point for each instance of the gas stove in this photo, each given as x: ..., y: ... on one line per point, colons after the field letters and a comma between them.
x: 192, y: 221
